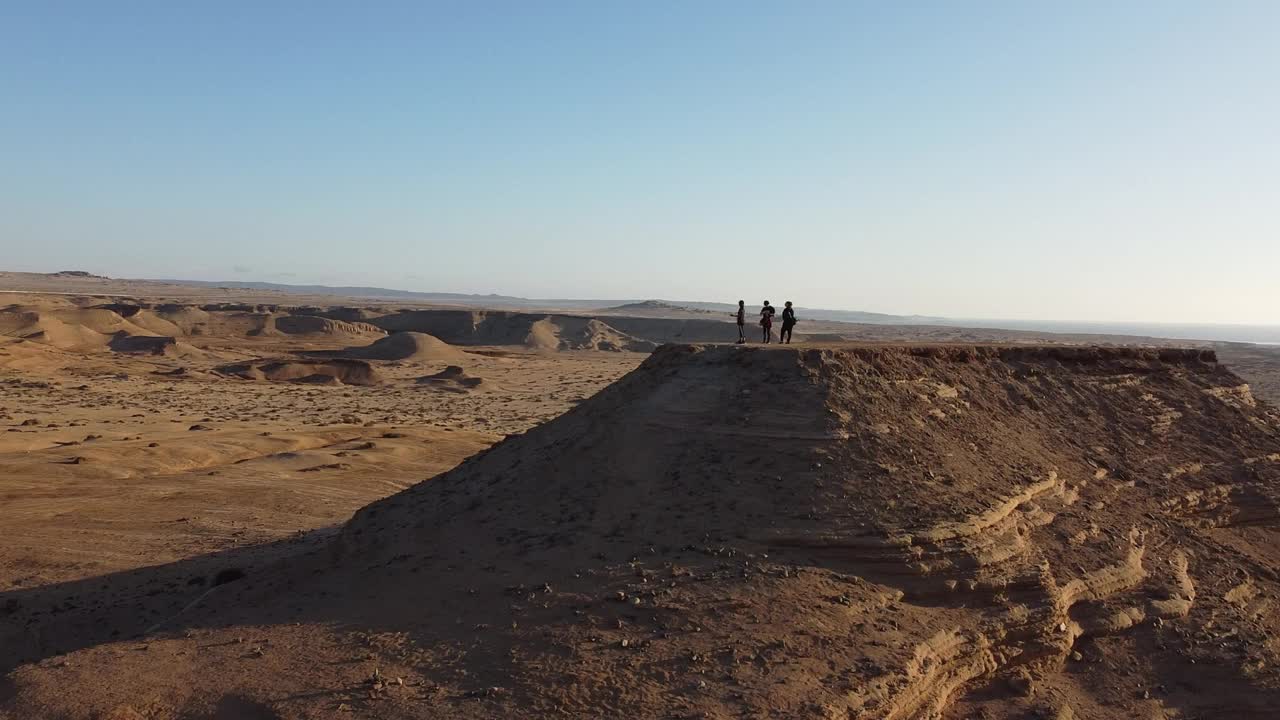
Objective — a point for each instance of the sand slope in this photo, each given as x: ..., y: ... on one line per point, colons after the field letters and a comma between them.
x: 453, y: 378
x: 94, y: 330
x: 408, y: 346
x: 68, y: 329
x: 539, y: 332
x: 91, y: 328
x: 347, y: 372
x: 168, y: 329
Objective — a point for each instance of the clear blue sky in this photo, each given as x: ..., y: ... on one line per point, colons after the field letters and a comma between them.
x: 1049, y: 160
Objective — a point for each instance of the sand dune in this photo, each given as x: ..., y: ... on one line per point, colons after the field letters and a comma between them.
x: 346, y: 372
x: 593, y: 334
x: 408, y: 346
x: 161, y: 329
x: 70, y: 329
x: 144, y: 317
x: 538, y: 332
x: 452, y: 378
x: 149, y: 345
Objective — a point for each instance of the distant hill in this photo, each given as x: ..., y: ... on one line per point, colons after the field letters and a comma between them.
x: 346, y: 291
x: 496, y: 301
x: 658, y: 307
x: 78, y: 274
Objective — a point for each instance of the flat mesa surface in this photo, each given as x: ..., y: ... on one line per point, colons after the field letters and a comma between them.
x: 245, y: 510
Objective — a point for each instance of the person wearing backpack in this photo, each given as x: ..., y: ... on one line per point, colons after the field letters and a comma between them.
x: 766, y: 321
x: 788, y: 322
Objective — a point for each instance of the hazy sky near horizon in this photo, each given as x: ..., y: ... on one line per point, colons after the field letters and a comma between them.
x: 1030, y: 159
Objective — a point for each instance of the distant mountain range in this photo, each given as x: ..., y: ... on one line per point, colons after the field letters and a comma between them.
x: 512, y: 302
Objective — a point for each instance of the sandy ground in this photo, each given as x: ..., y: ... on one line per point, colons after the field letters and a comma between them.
x: 120, y: 467
x: 725, y: 534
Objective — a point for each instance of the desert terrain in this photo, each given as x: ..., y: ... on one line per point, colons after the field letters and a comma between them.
x: 223, y: 503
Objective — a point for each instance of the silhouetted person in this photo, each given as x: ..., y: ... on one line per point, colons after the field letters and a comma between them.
x: 766, y: 321
x: 742, y: 321
x: 788, y: 322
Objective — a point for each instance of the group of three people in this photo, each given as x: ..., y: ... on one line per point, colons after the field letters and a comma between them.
x: 766, y: 322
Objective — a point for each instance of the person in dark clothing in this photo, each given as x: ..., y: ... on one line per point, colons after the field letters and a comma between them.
x: 766, y: 321
x: 742, y: 321
x: 788, y: 322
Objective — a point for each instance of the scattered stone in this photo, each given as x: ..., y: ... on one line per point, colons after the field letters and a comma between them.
x: 1022, y: 683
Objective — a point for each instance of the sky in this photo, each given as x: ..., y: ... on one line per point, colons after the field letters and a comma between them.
x: 1101, y: 161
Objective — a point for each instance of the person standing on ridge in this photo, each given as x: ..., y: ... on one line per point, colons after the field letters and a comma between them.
x: 742, y: 321
x: 788, y: 322
x: 766, y: 321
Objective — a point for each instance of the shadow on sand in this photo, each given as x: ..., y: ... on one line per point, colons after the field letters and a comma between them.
x: 49, y: 620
